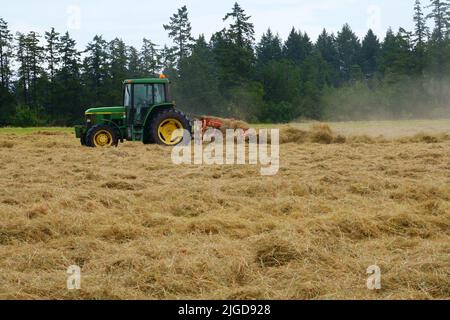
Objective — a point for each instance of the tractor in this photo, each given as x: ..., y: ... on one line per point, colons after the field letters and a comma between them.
x: 148, y: 115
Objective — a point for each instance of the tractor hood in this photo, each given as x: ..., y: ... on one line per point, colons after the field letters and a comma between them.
x: 106, y: 110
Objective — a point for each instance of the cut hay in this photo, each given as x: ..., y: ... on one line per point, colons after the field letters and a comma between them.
x: 143, y: 228
x: 275, y: 252
x: 293, y: 135
x: 319, y: 133
x: 423, y: 137
x: 119, y: 185
x: 49, y: 133
x: 6, y: 144
x: 235, y: 124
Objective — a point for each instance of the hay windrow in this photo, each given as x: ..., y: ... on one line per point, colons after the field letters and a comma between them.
x: 321, y: 133
x: 318, y: 133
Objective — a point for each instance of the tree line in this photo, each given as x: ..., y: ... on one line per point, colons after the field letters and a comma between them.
x: 336, y: 77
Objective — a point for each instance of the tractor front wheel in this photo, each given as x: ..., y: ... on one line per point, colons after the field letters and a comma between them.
x: 167, y: 127
x: 83, y: 141
x: 102, y: 136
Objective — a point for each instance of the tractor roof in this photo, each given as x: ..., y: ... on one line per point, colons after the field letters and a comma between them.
x: 146, y: 81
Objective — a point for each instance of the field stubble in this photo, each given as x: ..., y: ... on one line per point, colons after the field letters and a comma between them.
x: 141, y: 227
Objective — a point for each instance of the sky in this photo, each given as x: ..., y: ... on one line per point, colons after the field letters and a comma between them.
x: 136, y: 19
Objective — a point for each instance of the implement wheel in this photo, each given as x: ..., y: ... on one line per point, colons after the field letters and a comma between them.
x: 102, y: 136
x: 164, y: 125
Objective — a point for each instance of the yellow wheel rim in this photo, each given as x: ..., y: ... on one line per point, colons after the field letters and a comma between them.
x: 167, y: 129
x: 103, y: 138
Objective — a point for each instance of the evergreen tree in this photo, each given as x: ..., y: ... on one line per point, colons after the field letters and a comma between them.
x: 30, y: 57
x: 281, y: 82
x: 316, y: 75
x: 198, y: 85
x: 134, y: 65
x: 389, y: 52
x: 180, y: 31
x: 440, y: 15
x: 438, y: 49
x: 36, y: 58
x: 233, y: 49
x: 421, y: 30
x: 221, y: 48
x: 297, y: 47
x: 23, y: 71
x: 118, y: 71
x: 235, y: 63
x: 326, y: 46
x: 150, y: 59
x: 52, y: 51
x: 370, y: 54
x: 69, y: 80
x: 241, y: 31
x: 269, y: 48
x: 349, y: 51
x: 421, y: 34
x: 438, y: 46
x: 95, y: 71
x: 235, y: 58
x: 316, y: 70
x: 168, y: 62
x: 397, y: 58
x: 7, y: 106
x: 6, y: 55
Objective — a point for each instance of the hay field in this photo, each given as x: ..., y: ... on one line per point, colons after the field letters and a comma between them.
x: 143, y: 228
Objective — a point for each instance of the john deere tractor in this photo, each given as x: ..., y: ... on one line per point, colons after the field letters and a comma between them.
x: 148, y: 114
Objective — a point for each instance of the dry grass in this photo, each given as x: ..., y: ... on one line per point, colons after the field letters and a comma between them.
x: 143, y: 228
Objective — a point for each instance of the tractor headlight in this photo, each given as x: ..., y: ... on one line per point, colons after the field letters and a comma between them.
x: 90, y: 119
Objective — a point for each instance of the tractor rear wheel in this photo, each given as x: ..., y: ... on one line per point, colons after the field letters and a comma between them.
x: 164, y: 126
x: 102, y: 136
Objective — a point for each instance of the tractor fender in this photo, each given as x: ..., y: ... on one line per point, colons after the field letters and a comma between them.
x: 154, y: 110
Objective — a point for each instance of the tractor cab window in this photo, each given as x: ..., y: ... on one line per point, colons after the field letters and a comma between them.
x: 127, y: 96
x: 143, y: 95
x: 160, y: 94
x: 143, y: 100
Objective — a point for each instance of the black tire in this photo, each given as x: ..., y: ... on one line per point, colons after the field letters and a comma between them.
x: 91, y: 134
x: 159, y: 118
x: 83, y: 141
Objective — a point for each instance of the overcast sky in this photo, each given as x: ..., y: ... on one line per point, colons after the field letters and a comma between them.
x: 132, y: 20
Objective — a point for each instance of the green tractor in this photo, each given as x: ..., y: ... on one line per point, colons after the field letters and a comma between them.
x: 148, y: 114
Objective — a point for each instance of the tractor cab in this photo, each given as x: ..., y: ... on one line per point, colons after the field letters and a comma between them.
x: 141, y: 95
x: 148, y: 114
